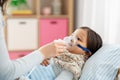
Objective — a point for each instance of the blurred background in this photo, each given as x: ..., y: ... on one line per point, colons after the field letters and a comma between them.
x: 33, y: 23
x: 101, y: 15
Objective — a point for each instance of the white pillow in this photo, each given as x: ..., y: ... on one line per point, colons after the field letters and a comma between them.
x: 103, y: 65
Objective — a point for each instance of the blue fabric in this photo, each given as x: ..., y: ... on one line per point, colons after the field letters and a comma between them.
x: 103, y: 65
x: 42, y: 73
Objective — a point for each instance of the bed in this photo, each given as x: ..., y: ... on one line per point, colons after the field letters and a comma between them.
x: 103, y: 65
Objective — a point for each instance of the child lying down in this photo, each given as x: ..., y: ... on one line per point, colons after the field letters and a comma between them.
x: 83, y: 43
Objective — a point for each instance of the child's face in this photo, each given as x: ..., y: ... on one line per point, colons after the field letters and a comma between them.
x: 79, y: 37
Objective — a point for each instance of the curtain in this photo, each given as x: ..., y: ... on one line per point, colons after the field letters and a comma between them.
x: 103, y: 16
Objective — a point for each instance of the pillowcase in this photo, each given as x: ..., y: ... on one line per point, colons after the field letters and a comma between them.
x: 103, y: 65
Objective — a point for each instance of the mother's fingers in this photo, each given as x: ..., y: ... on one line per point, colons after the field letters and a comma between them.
x: 45, y: 62
x: 60, y: 49
x: 59, y: 43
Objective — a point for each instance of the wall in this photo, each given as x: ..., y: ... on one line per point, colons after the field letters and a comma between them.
x: 90, y: 13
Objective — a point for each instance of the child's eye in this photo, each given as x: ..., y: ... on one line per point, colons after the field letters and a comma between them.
x: 79, y: 39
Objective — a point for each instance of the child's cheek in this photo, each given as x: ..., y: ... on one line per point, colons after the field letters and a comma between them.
x: 70, y: 48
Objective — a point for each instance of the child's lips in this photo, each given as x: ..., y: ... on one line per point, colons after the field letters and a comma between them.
x: 70, y: 44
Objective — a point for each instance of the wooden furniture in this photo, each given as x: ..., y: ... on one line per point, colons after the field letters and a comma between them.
x: 22, y: 31
x: 26, y: 33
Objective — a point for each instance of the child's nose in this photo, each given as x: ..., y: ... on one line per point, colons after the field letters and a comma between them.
x: 73, y: 41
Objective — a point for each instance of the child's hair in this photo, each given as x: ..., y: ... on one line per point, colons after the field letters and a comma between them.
x: 94, y: 41
x: 2, y: 2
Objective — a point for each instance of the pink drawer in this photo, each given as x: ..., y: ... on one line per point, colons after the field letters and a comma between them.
x: 51, y: 29
x: 15, y: 55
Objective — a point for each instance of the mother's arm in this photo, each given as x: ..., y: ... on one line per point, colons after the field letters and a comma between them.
x: 10, y: 70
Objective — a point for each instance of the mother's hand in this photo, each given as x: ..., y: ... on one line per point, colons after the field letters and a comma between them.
x: 52, y: 49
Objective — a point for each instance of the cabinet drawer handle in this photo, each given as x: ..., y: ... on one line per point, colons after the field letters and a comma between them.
x: 53, y: 22
x: 21, y: 55
x: 22, y: 23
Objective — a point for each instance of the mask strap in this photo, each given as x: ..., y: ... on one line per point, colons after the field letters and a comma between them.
x: 83, y: 48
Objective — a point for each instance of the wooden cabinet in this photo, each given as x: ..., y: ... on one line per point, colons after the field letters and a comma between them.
x: 29, y: 32
x: 22, y: 34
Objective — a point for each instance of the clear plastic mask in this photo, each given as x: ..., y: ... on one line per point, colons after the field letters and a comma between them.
x: 68, y: 40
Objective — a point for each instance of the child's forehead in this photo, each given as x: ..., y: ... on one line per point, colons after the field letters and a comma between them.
x: 76, y: 31
x: 80, y: 32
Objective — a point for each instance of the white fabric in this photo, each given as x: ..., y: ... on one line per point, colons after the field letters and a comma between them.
x: 66, y: 75
x: 48, y: 73
x: 9, y: 70
x: 103, y: 65
x: 1, y: 19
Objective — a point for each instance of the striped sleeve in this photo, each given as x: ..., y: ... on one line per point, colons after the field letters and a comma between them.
x: 42, y: 73
x: 103, y: 65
